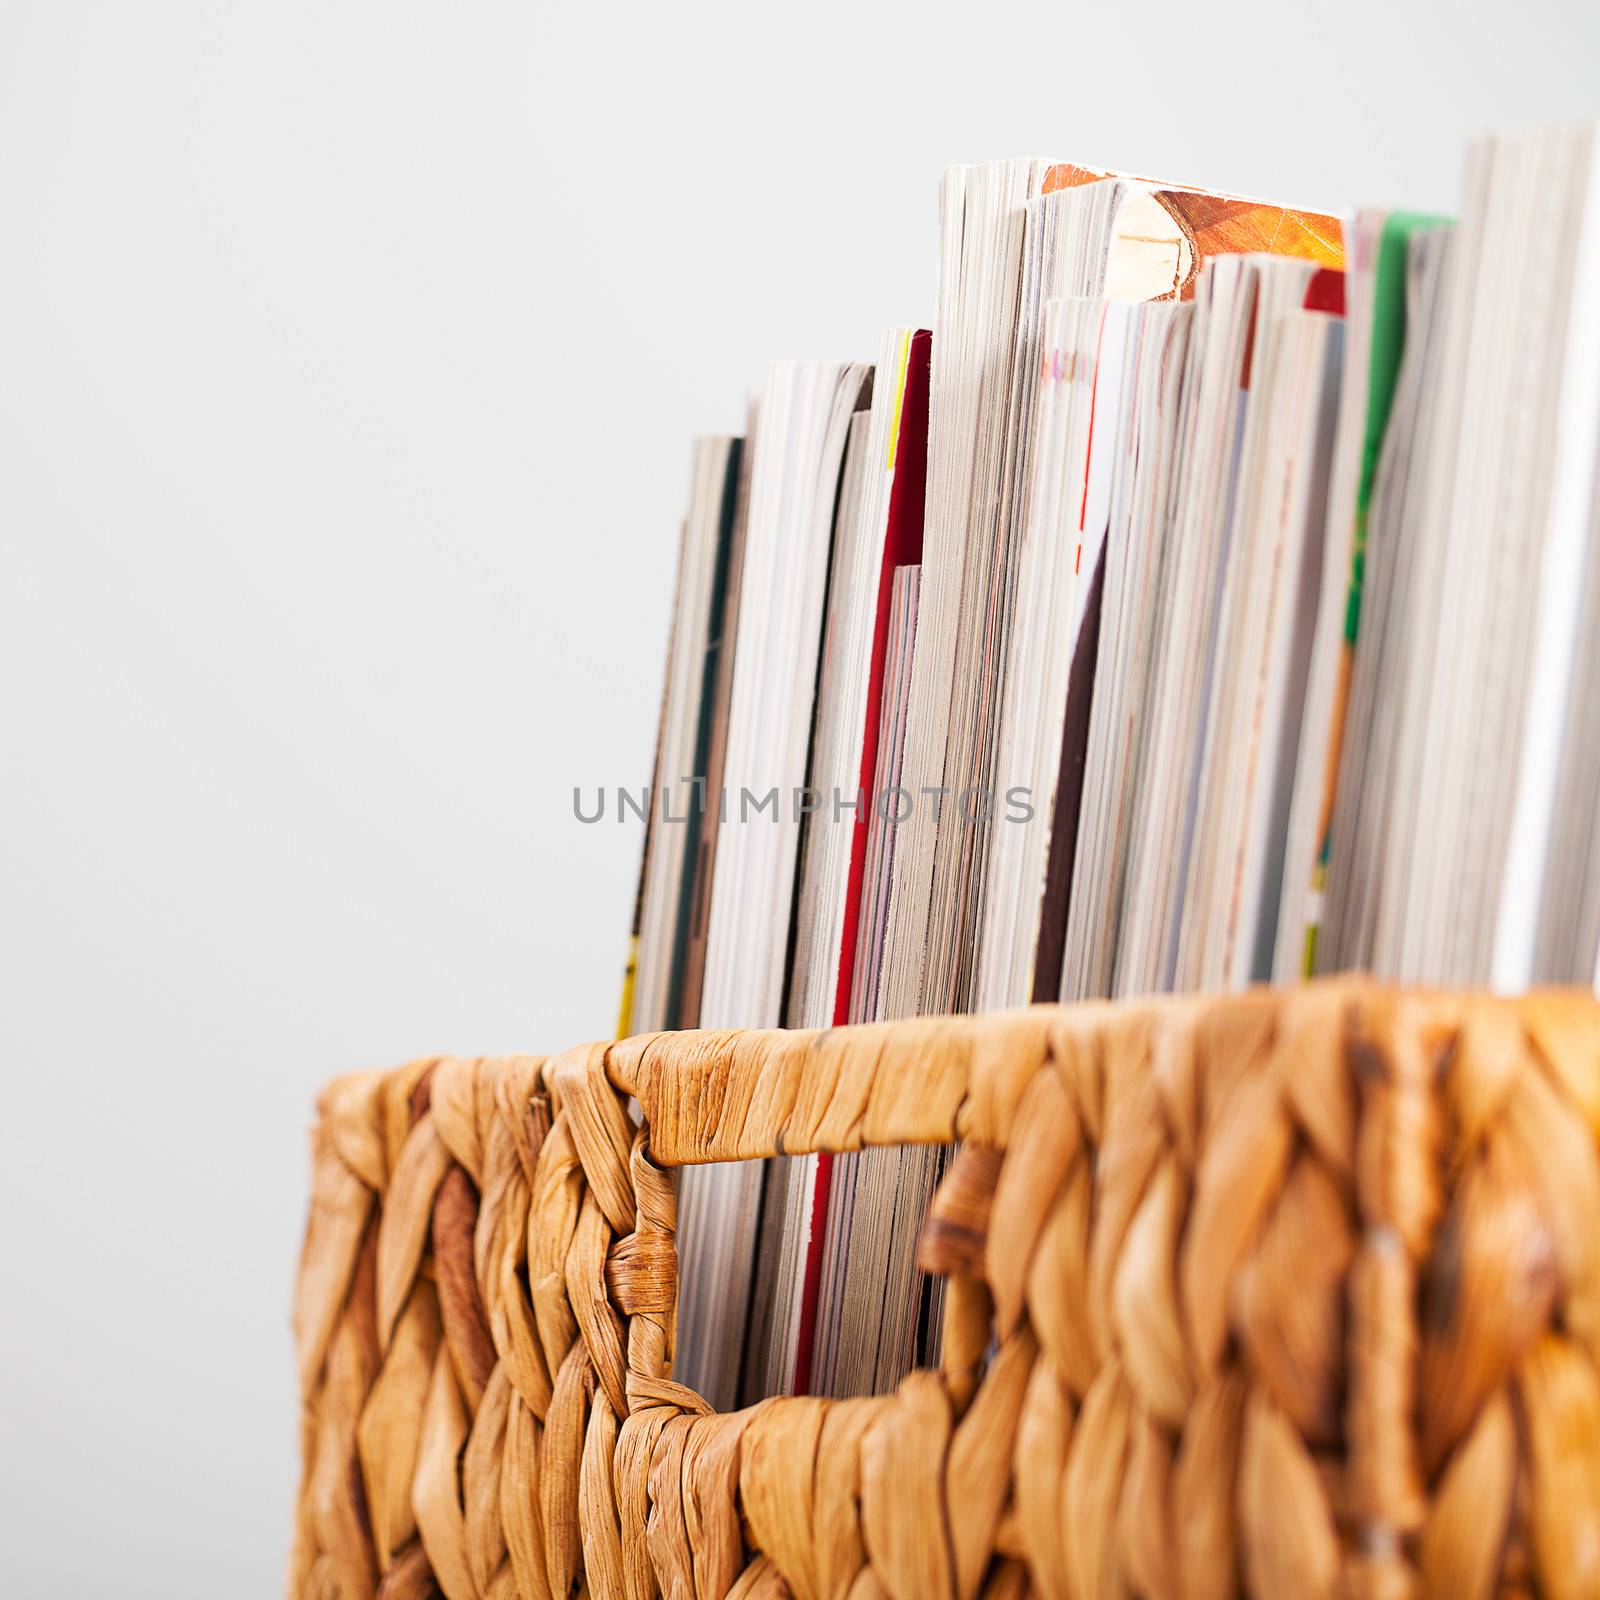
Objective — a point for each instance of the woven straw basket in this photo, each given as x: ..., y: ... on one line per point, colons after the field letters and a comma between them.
x: 1289, y: 1294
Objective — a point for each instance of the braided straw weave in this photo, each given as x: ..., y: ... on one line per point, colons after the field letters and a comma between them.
x: 1289, y: 1294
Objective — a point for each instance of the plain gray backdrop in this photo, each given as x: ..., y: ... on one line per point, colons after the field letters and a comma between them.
x: 349, y: 355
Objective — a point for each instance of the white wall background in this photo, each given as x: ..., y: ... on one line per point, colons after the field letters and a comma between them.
x: 348, y: 359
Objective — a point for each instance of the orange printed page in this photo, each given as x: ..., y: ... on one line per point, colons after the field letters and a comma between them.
x: 1166, y: 233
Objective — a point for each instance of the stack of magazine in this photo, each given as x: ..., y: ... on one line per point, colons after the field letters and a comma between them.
x: 1210, y: 597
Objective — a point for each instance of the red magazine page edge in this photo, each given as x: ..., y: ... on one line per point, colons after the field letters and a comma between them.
x: 902, y: 546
